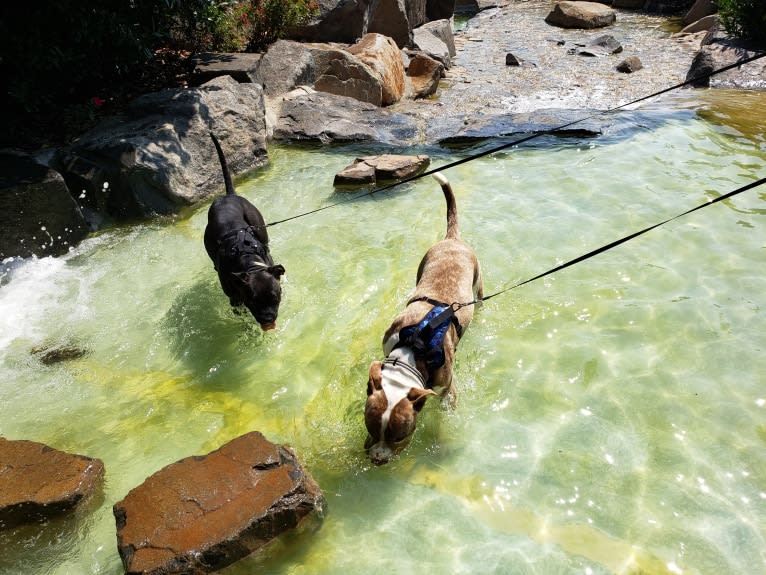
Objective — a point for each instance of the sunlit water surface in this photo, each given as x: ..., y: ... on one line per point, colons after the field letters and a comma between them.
x: 611, y: 417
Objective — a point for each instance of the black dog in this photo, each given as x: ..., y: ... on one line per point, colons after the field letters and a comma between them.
x: 237, y: 242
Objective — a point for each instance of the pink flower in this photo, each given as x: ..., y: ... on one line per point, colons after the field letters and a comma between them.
x: 97, y: 102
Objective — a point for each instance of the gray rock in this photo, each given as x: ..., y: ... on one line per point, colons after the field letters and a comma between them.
x: 38, y: 215
x: 337, y: 21
x: 285, y: 66
x: 700, y: 9
x: 704, y: 24
x: 39, y: 482
x: 630, y: 64
x: 719, y: 51
x: 316, y: 116
x: 389, y: 17
x: 239, y: 65
x: 159, y: 156
x: 569, y: 14
x: 425, y: 41
x: 203, y: 513
x: 439, y: 9
x: 484, y: 127
x: 442, y: 29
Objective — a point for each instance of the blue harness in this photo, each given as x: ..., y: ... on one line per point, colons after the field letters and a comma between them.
x: 426, y: 338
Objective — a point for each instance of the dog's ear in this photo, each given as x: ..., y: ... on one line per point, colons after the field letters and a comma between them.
x: 417, y: 397
x: 374, y: 383
x: 277, y: 270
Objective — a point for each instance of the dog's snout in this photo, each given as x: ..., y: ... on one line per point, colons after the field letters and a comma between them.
x: 380, y: 453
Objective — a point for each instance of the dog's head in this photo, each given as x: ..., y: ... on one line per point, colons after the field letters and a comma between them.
x: 390, y: 414
x: 261, y: 291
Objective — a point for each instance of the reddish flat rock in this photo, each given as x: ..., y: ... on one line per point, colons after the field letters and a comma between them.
x: 372, y: 169
x: 38, y: 482
x: 203, y: 513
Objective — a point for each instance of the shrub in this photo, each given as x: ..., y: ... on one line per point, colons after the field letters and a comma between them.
x: 744, y: 19
x: 269, y: 20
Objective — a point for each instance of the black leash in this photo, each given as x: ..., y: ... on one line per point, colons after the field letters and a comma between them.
x: 615, y: 243
x: 523, y: 140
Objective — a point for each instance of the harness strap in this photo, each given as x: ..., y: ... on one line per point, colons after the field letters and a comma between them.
x: 404, y: 366
x: 447, y: 314
x: 245, y: 243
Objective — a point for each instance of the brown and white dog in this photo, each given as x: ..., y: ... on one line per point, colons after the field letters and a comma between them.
x: 399, y: 386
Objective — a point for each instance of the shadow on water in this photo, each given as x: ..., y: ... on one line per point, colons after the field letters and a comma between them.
x: 29, y: 548
x: 209, y: 336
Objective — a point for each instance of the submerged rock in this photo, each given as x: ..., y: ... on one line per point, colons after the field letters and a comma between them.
x: 630, y: 64
x: 203, y: 513
x: 38, y: 482
x: 50, y: 354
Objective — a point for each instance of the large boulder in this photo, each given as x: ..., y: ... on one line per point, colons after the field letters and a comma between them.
x: 337, y: 21
x: 308, y: 115
x: 383, y: 57
x: 203, y: 513
x: 159, y: 156
x: 439, y: 9
x: 700, y: 9
x: 38, y: 215
x: 424, y: 73
x: 341, y: 73
x: 429, y: 43
x: 285, y: 66
x: 389, y: 17
x: 719, y: 51
x: 442, y: 29
x: 369, y: 71
x: 348, y: 20
x: 38, y: 482
x: 569, y: 14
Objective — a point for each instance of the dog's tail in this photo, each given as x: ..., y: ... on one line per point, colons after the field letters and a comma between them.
x: 224, y: 166
x: 452, y: 229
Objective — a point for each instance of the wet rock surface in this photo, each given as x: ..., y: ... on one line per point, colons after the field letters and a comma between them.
x: 38, y: 482
x: 203, y: 513
x: 374, y: 169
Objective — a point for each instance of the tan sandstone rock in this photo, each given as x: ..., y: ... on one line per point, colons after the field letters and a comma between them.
x: 381, y: 54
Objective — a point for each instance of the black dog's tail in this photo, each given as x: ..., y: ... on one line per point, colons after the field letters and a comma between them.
x: 224, y: 167
x: 452, y: 229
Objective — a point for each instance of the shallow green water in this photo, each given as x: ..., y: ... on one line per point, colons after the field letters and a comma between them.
x: 611, y: 417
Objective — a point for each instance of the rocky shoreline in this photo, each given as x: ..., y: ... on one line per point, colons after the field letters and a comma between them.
x: 508, y: 70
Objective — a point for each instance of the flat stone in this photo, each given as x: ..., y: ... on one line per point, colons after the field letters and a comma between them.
x: 382, y: 168
x: 203, y: 513
x: 38, y: 482
x: 240, y: 66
